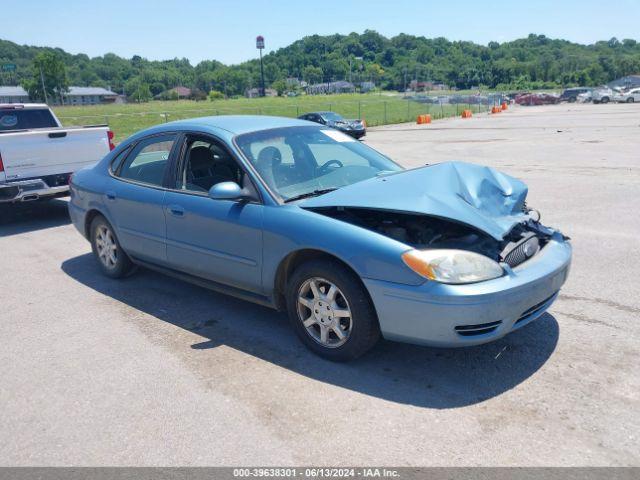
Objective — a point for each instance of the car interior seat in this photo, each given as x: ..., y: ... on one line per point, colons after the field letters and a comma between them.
x: 207, y: 167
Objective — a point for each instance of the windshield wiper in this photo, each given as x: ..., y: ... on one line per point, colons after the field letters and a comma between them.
x: 313, y: 193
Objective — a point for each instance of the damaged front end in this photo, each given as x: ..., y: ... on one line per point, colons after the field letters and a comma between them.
x: 423, y: 232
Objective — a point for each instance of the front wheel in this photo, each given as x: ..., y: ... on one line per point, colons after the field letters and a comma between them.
x: 331, y: 311
x: 113, y: 261
x: 630, y: 100
x: 605, y: 100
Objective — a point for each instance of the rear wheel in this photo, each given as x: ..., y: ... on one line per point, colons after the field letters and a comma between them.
x: 605, y: 100
x: 630, y: 100
x: 331, y: 311
x: 113, y: 261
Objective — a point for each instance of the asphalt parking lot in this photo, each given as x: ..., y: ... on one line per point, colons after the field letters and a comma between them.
x: 152, y: 371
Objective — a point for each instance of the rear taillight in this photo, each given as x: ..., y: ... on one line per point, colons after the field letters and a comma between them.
x: 110, y: 137
x: 1, y: 164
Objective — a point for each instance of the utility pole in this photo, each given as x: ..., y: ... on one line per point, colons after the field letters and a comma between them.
x: 260, y: 46
x: 405, y: 81
x: 44, y: 89
x: 350, y: 70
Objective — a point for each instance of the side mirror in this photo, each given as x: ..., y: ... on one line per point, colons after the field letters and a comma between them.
x: 227, y: 191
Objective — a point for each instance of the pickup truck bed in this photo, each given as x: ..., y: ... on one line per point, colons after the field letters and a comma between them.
x: 36, y: 163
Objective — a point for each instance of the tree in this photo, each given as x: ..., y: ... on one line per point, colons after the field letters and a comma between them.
x: 48, y: 69
x: 534, y: 60
x: 279, y: 86
x: 215, y: 95
x: 312, y: 74
x: 142, y: 93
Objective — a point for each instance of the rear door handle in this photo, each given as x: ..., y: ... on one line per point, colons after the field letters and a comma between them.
x: 176, y: 210
x: 57, y: 134
x: 110, y: 195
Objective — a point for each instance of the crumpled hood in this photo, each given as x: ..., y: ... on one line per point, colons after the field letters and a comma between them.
x: 471, y: 194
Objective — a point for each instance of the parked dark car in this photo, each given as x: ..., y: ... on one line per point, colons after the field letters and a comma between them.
x: 571, y: 94
x: 354, y: 128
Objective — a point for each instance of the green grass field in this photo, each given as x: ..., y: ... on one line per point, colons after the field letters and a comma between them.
x: 126, y: 119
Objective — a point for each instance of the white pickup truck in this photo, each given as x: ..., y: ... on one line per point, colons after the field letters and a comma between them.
x: 38, y: 155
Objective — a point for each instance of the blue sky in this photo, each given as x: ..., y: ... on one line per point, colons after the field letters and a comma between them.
x: 225, y: 30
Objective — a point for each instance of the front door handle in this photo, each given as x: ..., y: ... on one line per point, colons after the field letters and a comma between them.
x: 176, y: 210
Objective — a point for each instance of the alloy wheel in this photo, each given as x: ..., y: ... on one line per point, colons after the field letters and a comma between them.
x: 106, y: 247
x: 324, y: 312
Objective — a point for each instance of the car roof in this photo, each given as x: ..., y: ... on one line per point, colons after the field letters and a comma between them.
x: 239, y: 124
x: 227, y: 126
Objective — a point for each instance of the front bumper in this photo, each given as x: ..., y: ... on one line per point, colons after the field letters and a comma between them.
x: 443, y: 315
x: 27, y: 190
x: 356, y: 133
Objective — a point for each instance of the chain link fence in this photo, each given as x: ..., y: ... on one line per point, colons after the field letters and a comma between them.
x: 379, y: 111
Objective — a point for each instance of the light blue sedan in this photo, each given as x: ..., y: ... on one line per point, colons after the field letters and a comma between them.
x: 303, y: 218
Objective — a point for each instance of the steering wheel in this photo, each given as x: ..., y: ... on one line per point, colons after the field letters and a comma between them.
x: 325, y: 168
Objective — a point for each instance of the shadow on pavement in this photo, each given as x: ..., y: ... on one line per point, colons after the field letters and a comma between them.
x: 407, y: 374
x: 31, y: 216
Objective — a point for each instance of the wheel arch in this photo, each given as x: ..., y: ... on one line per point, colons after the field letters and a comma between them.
x: 88, y: 219
x: 296, y: 258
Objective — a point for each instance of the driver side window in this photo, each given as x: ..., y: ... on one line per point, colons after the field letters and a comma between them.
x: 205, y: 164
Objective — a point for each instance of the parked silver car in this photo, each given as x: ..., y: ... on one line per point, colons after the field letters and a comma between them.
x: 629, y: 96
x: 602, y: 94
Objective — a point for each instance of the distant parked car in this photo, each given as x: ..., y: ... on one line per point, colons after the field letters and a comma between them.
x: 537, y: 99
x: 571, y: 94
x: 354, y: 128
x: 602, y: 94
x: 585, y: 97
x: 629, y: 96
x: 303, y: 218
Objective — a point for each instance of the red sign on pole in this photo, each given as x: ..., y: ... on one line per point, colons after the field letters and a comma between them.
x: 260, y: 42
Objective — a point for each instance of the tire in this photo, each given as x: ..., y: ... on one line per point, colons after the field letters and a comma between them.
x: 111, y: 258
x: 630, y: 100
x: 327, y: 308
x: 604, y: 100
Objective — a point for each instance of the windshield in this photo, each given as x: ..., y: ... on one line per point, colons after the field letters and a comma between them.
x: 297, y: 161
x: 334, y: 117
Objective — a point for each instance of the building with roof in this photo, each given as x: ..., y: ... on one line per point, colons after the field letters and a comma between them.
x: 255, y: 93
x: 13, y: 95
x: 175, y: 93
x: 630, y: 81
x: 340, y: 86
x: 89, y: 96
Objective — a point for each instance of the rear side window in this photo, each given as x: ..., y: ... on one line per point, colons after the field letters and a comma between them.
x: 148, y: 160
x: 117, y: 161
x: 25, y: 119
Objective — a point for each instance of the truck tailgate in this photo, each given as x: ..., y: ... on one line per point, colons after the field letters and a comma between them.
x: 37, y: 153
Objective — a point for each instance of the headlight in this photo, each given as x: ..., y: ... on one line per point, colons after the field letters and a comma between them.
x: 452, y: 266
